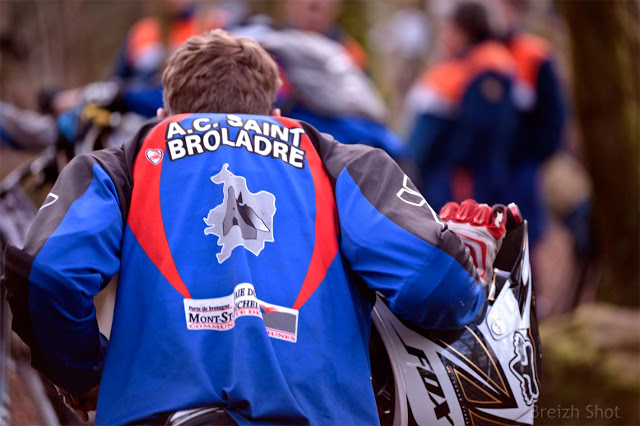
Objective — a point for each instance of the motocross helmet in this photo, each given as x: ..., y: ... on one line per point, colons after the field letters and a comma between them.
x: 486, y: 373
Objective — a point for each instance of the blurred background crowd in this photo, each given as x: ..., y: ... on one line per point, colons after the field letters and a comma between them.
x: 532, y: 101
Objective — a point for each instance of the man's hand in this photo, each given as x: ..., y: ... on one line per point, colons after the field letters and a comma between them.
x: 81, y: 405
x: 482, y: 229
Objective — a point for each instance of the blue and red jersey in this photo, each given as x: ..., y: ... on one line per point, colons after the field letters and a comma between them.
x: 247, y: 249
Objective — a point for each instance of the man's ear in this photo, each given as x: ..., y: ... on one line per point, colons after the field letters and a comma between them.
x: 161, y: 113
x: 276, y: 112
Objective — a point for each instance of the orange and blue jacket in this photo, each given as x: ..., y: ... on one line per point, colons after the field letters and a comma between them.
x: 463, y: 121
x: 146, y: 47
x: 143, y: 55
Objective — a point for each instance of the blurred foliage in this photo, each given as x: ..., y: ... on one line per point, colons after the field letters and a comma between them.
x: 591, y: 359
x: 67, y: 43
x: 606, y: 61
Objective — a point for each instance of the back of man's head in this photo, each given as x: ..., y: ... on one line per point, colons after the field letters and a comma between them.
x: 220, y: 73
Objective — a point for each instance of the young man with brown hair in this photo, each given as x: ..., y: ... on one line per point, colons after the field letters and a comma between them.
x: 222, y: 73
x: 246, y: 247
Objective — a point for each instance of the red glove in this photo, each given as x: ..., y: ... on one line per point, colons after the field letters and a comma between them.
x: 482, y: 229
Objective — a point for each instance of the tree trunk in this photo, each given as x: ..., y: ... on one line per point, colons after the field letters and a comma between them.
x: 605, y: 57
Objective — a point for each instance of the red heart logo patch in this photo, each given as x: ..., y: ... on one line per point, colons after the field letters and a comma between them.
x: 154, y: 155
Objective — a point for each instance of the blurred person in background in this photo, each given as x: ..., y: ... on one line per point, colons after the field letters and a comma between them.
x: 320, y: 16
x: 149, y: 41
x: 142, y: 57
x: 462, y: 112
x: 152, y: 39
x: 144, y: 51
x: 322, y: 84
x: 323, y: 87
x: 134, y: 88
x: 542, y: 113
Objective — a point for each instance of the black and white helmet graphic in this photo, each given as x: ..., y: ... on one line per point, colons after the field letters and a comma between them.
x: 485, y: 373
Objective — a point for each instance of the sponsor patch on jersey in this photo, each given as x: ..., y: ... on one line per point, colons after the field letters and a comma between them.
x: 221, y: 313
x: 244, y: 219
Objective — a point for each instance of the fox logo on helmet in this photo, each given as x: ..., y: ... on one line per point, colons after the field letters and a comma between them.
x: 523, y: 367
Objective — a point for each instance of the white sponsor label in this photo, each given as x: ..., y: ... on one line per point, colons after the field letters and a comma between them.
x: 221, y: 313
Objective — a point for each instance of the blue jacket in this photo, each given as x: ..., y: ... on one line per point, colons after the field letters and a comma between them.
x: 247, y: 248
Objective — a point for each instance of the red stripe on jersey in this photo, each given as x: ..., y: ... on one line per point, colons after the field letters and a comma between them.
x: 145, y: 215
x: 326, y: 225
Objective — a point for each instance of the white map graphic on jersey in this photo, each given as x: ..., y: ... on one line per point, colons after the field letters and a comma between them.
x: 243, y: 219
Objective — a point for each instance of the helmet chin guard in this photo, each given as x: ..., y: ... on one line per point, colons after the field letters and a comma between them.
x: 486, y: 373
